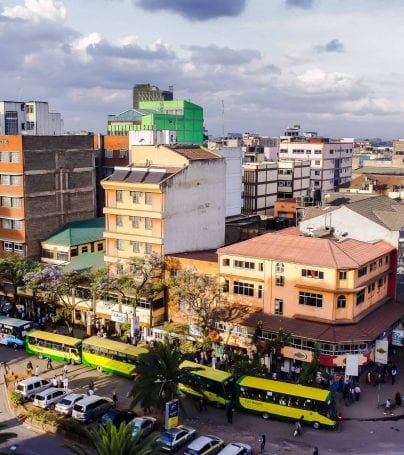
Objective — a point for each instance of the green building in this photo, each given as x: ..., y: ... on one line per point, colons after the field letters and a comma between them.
x: 183, y: 117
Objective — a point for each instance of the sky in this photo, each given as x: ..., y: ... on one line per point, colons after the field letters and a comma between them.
x: 259, y: 66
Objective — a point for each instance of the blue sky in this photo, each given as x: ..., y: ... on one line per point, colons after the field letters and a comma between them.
x: 334, y: 66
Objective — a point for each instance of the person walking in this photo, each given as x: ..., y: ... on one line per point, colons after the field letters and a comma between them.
x: 340, y: 420
x: 229, y: 411
x: 315, y: 451
x: 37, y: 371
x: 49, y: 365
x: 115, y: 399
x: 54, y: 381
x: 357, y: 392
x: 65, y: 370
x: 387, y: 406
x: 298, y: 427
x: 29, y: 368
x: 65, y: 382
x: 263, y: 442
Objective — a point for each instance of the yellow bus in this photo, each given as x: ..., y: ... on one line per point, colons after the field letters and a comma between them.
x: 286, y: 400
x: 214, y: 385
x: 53, y: 345
x: 111, y: 356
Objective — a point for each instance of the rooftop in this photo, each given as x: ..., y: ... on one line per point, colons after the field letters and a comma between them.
x: 195, y: 152
x: 347, y: 253
x: 141, y: 174
x: 78, y: 232
x: 86, y: 262
x: 381, y: 170
x: 204, y: 255
x: 131, y: 115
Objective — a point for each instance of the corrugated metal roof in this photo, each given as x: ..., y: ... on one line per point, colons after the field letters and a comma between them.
x: 85, y: 262
x: 78, y: 232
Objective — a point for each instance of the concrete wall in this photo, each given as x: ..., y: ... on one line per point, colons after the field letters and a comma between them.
x: 194, y: 208
x: 234, y: 159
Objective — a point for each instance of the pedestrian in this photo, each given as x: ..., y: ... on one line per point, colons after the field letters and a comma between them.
x: 398, y: 398
x: 229, y: 411
x: 393, y: 374
x: 91, y: 385
x: 49, y: 365
x: 298, y: 427
x: 315, y: 451
x: 263, y: 442
x: 115, y: 398
x: 29, y: 368
x: 357, y: 392
x: 54, y: 382
x: 387, y: 407
x: 340, y: 420
x: 60, y: 381
x: 37, y: 371
x: 65, y: 370
x: 65, y: 382
x: 369, y: 378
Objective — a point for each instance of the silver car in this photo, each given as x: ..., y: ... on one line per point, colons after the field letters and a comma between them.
x: 48, y: 398
x: 142, y: 425
x: 65, y: 406
x: 236, y: 448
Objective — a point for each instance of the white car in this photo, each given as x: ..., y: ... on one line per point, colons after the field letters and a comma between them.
x: 236, y: 448
x: 65, y: 406
x: 48, y: 398
x: 205, y: 445
x: 142, y: 425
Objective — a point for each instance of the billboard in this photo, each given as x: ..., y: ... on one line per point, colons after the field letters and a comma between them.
x: 381, y: 351
x: 172, y: 414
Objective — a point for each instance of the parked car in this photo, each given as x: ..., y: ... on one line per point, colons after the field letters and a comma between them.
x: 205, y: 445
x: 117, y: 417
x: 142, y: 425
x: 31, y: 386
x: 90, y: 408
x: 48, y: 398
x: 171, y: 440
x: 65, y: 406
x: 236, y: 448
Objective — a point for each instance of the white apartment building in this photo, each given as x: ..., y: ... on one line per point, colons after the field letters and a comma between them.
x: 293, y: 178
x: 30, y: 118
x: 331, y: 160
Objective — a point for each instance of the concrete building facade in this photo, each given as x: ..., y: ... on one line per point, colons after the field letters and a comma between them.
x: 293, y: 178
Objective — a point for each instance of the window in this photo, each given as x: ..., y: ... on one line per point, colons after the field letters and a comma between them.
x: 243, y: 288
x: 386, y: 260
x: 148, y: 223
x: 260, y: 291
x: 136, y: 195
x: 5, y: 157
x: 279, y: 267
x: 62, y: 256
x: 371, y: 287
x: 11, y: 122
x: 16, y: 202
x: 119, y: 268
x: 148, y: 198
x: 148, y: 248
x: 342, y: 275
x: 84, y: 249
x: 372, y: 267
x: 6, y: 179
x: 119, y: 220
x: 8, y: 246
x: 226, y: 286
x: 360, y: 297
x: 261, y: 266
x: 380, y: 283
x: 363, y: 271
x: 119, y: 195
x: 226, y: 262
x: 317, y: 152
x: 100, y: 247
x: 15, y: 157
x: 73, y: 252
x: 316, y: 172
x: 119, y: 244
x: 136, y: 247
x: 6, y: 201
x: 11, y: 224
x: 18, y: 247
x: 341, y: 301
x: 135, y: 221
x: 312, y: 274
x: 30, y: 125
x: 380, y: 262
x: 109, y: 153
x: 279, y: 280
x: 123, y: 154
x: 244, y: 265
x: 317, y: 162
x: 310, y: 299
x: 279, y: 307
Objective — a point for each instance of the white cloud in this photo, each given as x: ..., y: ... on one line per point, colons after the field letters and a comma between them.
x: 318, y: 81
x: 53, y: 10
x: 80, y: 45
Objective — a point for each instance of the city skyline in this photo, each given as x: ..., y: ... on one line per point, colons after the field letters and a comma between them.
x: 318, y: 63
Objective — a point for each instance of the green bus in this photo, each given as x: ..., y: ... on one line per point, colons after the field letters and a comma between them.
x: 286, y: 400
x: 111, y: 356
x: 202, y: 381
x: 54, y: 346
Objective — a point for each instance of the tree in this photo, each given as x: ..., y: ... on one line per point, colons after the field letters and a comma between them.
x: 57, y: 286
x: 158, y: 375
x: 110, y: 440
x: 13, y: 269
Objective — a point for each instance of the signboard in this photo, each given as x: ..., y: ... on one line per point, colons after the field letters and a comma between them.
x: 381, y: 351
x: 172, y: 413
x: 352, y: 365
x: 116, y: 316
x: 397, y: 337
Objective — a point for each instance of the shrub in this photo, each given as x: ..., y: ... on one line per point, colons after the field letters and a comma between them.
x: 72, y: 426
x: 16, y: 398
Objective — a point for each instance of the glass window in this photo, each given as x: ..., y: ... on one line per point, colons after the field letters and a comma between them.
x: 148, y: 223
x: 62, y: 256
x: 15, y: 157
x: 360, y: 297
x: 279, y: 280
x: 279, y: 267
x: 119, y: 220
x: 18, y: 247
x: 120, y: 244
x: 109, y: 153
x: 310, y: 299
x: 84, y: 249
x: 279, y: 307
x: 260, y: 291
x: 226, y: 262
x: 342, y: 275
x: 363, y: 271
x: 100, y: 247
x: 312, y: 274
x: 148, y: 198
x: 341, y: 301
x: 8, y: 246
x: 119, y: 196
x: 136, y: 247
x: 148, y: 248
x: 241, y: 288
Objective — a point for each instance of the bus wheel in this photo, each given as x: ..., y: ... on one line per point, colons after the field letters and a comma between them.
x: 316, y: 425
x: 265, y: 415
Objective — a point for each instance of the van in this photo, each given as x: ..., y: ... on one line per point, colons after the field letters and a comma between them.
x: 49, y: 397
x: 89, y: 408
x: 31, y: 386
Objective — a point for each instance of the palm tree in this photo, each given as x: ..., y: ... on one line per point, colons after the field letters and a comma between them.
x: 110, y: 440
x: 158, y: 376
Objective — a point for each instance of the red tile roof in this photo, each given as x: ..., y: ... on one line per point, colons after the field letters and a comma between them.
x: 367, y: 329
x: 309, y: 250
x: 196, y: 153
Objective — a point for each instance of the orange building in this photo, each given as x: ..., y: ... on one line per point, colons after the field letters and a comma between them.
x: 337, y: 294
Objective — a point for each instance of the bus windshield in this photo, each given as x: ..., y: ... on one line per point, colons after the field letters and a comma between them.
x: 13, y: 331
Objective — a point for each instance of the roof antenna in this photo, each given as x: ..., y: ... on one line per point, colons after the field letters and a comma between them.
x: 222, y: 119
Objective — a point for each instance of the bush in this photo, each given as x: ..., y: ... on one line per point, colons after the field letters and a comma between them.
x: 16, y: 398
x: 72, y: 426
x: 42, y: 416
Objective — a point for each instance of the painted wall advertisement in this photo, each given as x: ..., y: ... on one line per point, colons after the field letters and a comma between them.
x: 172, y: 414
x: 381, y: 351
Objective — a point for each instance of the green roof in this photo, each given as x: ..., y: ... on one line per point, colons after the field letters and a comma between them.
x: 78, y: 232
x: 131, y: 115
x: 86, y: 262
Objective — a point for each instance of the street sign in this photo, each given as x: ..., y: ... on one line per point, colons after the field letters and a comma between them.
x: 172, y: 414
x: 381, y: 351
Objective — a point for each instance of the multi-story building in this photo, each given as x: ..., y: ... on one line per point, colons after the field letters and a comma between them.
x: 336, y: 294
x: 148, y: 92
x: 45, y: 182
x: 293, y: 178
x: 182, y: 117
x: 171, y: 200
x: 29, y: 118
x: 331, y: 160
